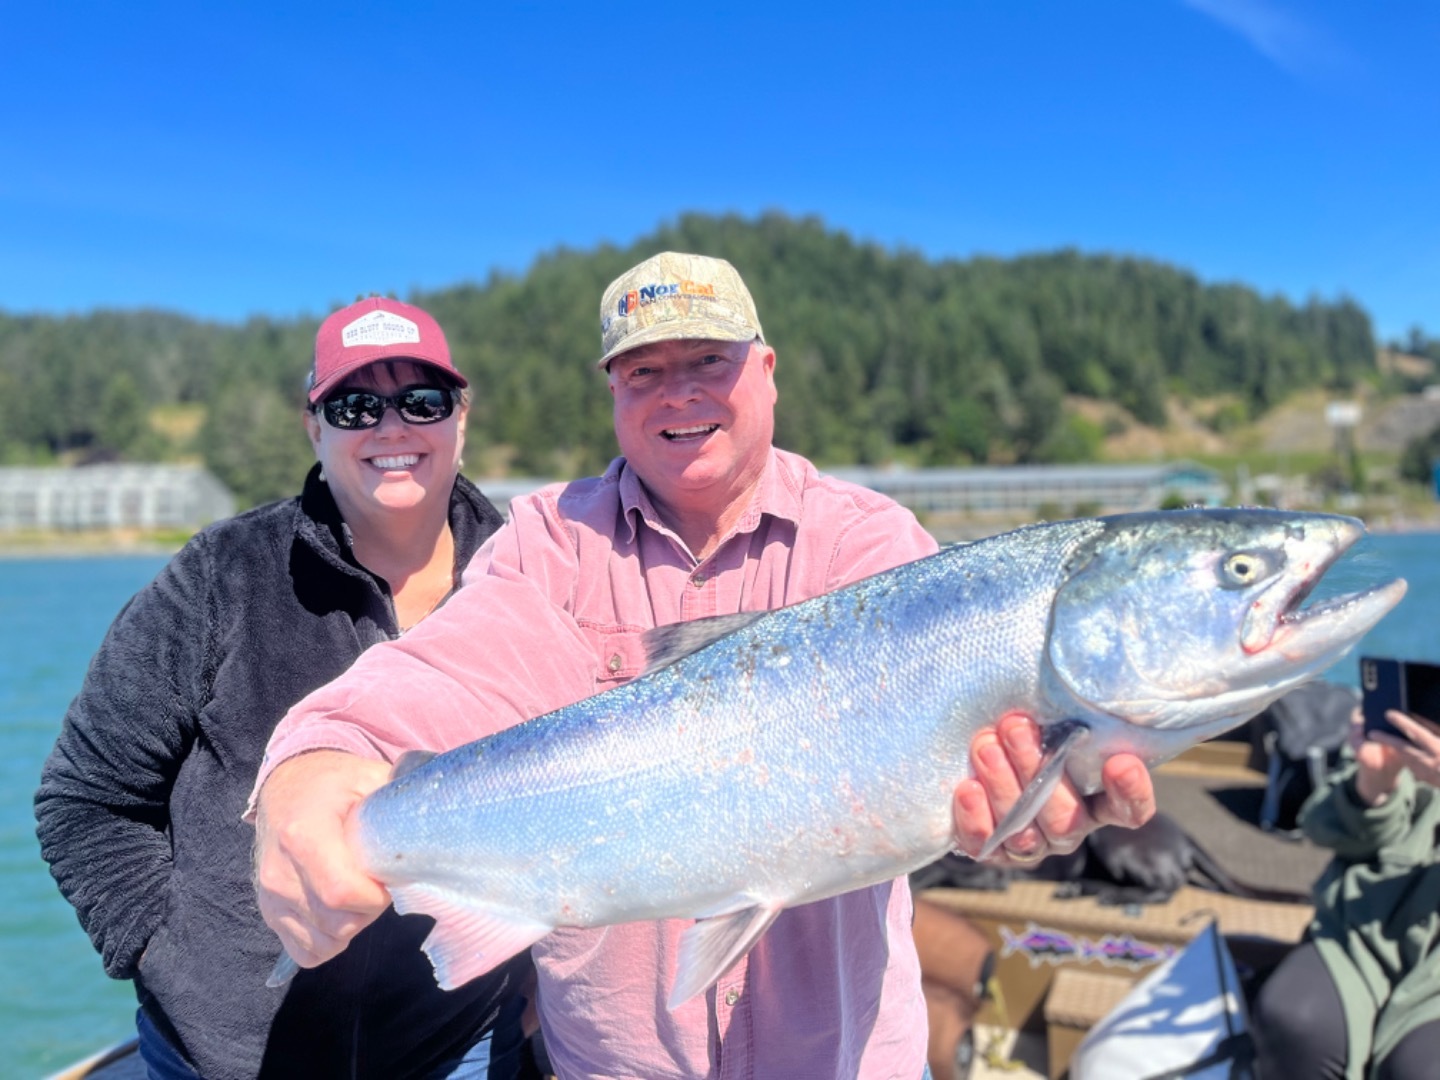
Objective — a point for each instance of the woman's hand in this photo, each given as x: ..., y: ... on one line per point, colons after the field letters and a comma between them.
x: 1380, y: 755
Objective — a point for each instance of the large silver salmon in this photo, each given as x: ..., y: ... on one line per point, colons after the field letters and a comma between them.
x: 768, y: 760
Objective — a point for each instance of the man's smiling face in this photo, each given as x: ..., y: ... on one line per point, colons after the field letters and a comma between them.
x: 695, y: 419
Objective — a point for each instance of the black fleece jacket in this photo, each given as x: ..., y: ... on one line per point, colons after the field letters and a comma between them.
x: 140, y: 801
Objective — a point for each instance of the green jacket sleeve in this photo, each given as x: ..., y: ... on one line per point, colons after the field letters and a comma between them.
x: 1335, y: 818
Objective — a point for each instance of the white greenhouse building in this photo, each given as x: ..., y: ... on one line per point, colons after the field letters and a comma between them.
x: 111, y: 497
x: 1105, y: 489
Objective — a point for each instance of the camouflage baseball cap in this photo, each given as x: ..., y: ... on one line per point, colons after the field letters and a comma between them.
x: 672, y: 296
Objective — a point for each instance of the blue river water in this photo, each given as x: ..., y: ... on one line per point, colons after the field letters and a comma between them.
x: 55, y: 1003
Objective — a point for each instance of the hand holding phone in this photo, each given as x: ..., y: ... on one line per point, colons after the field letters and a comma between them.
x: 1405, y: 685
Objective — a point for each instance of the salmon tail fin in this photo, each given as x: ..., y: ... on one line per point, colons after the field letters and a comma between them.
x: 713, y: 946
x: 1060, y: 741
x: 469, y: 938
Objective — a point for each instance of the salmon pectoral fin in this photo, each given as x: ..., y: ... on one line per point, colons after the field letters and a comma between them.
x: 713, y: 946
x: 469, y: 938
x: 1061, y: 740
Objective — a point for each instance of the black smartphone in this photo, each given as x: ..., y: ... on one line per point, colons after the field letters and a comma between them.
x: 1407, y: 685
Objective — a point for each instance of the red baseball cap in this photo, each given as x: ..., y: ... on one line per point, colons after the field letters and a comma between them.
x: 376, y: 328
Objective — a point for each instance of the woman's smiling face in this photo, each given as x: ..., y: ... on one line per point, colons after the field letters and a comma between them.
x: 394, y: 466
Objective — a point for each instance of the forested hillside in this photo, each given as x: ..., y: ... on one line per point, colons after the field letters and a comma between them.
x: 883, y: 355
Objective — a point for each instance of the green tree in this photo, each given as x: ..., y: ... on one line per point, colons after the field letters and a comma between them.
x: 120, y: 421
x: 882, y: 354
x: 254, y: 442
x: 1418, y: 459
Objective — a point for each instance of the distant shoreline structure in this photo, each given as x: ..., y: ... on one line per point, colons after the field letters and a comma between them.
x: 153, y: 510
x: 100, y: 545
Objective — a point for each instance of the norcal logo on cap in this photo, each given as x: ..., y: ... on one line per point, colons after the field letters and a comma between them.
x: 380, y: 328
x: 648, y: 294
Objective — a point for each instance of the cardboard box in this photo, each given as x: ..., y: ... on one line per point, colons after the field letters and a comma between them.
x: 1035, y: 936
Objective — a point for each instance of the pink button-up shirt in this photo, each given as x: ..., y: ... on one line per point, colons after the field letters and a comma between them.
x: 551, y: 611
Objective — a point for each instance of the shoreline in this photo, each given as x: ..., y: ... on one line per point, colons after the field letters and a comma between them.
x: 133, y: 544
x: 89, y: 548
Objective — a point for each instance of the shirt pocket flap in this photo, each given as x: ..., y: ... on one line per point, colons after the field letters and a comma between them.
x: 619, y: 649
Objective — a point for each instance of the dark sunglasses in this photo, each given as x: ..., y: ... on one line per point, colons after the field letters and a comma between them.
x: 354, y: 409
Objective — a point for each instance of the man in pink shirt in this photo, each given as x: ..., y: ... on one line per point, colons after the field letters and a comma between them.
x: 702, y: 515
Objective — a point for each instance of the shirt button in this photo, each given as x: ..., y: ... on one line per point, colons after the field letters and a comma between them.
x: 614, y: 664
x: 698, y: 581
x: 731, y: 996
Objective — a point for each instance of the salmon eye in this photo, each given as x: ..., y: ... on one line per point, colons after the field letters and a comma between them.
x: 1242, y: 568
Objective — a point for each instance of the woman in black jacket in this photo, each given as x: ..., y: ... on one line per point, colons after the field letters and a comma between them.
x: 140, y: 802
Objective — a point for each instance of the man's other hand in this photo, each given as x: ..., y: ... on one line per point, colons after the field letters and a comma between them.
x: 1005, y: 758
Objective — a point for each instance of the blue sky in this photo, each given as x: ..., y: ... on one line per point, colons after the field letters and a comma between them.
x: 225, y: 160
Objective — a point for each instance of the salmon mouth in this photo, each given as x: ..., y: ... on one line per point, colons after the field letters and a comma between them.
x: 1279, y: 608
x: 1330, y: 627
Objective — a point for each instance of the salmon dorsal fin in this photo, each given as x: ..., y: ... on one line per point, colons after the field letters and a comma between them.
x: 409, y: 761
x: 666, y: 644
